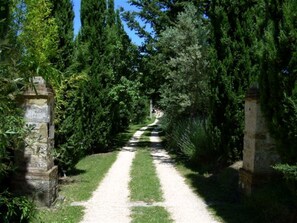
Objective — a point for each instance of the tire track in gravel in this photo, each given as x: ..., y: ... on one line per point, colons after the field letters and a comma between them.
x: 181, y: 202
x: 110, y: 202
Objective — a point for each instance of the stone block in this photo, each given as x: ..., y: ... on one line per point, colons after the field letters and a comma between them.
x: 41, y: 186
x: 254, y: 119
x: 259, y: 152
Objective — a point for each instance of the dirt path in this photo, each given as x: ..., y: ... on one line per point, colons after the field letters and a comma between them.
x: 182, y: 203
x: 110, y: 202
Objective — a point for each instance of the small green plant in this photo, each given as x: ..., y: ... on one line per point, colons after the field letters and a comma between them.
x: 289, y: 173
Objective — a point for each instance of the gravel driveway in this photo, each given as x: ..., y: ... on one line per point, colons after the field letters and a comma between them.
x: 110, y: 201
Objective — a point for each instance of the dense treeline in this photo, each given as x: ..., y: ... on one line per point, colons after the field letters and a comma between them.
x: 206, y: 55
x: 211, y: 52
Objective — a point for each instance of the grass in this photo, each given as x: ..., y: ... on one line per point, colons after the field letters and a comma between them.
x: 89, y: 172
x: 65, y: 214
x: 150, y: 215
x: 144, y: 184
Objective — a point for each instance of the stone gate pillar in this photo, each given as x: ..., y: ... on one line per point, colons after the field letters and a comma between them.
x: 37, y: 176
x: 259, y: 152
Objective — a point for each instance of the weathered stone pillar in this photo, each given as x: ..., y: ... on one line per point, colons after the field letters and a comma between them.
x: 37, y: 175
x: 259, y: 152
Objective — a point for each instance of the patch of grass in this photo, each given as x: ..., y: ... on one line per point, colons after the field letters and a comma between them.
x: 65, y: 214
x: 144, y: 184
x: 150, y: 215
x: 89, y: 172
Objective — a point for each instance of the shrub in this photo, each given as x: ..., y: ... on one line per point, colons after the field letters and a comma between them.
x: 12, y: 208
x: 290, y: 174
x: 71, y: 142
x: 15, y: 209
x: 191, y: 140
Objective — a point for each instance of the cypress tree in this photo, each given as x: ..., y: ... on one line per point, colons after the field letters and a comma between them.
x: 278, y: 77
x: 4, y: 18
x: 233, y: 67
x: 111, y: 16
x: 62, y: 11
x: 93, y: 21
x: 97, y: 108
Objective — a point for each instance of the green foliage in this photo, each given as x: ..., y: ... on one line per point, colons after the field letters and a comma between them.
x: 37, y: 38
x: 192, y: 140
x: 278, y: 79
x: 4, y: 17
x: 157, y: 15
x: 289, y: 171
x: 15, y: 209
x: 102, y: 95
x: 185, y: 91
x: 12, y: 132
x: 71, y: 142
x: 11, y: 122
x: 93, y: 28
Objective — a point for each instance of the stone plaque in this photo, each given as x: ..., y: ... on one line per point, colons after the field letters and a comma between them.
x: 37, y: 113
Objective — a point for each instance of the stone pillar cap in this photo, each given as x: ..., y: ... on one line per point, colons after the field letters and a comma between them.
x: 253, y: 93
x: 40, y: 88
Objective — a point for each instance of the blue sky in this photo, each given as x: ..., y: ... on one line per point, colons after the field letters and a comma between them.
x: 118, y: 3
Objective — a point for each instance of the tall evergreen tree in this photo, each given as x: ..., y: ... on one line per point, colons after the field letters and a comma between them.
x: 4, y: 18
x: 62, y: 11
x: 111, y: 16
x: 97, y: 107
x: 233, y: 67
x: 278, y: 79
x: 93, y: 23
